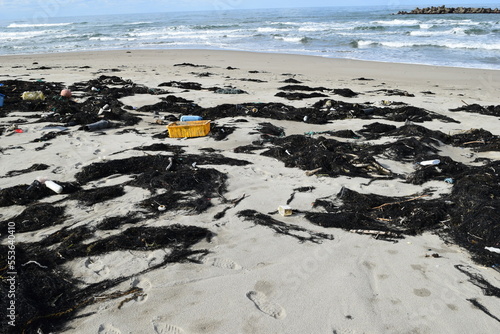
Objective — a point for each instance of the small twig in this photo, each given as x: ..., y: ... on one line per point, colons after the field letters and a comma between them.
x: 237, y: 200
x: 474, y: 142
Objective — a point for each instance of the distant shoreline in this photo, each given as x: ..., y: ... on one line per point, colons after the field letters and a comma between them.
x: 450, y: 10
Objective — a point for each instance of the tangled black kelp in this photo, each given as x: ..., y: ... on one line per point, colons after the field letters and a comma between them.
x: 408, y: 215
x: 33, y: 168
x: 49, y: 296
x: 36, y: 217
x: 294, y: 231
x: 24, y: 194
x: 332, y: 156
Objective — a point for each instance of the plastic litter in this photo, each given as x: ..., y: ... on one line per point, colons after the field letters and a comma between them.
x: 53, y: 186
x: 188, y: 129
x: 103, y: 109
x: 285, y: 210
x: 2, y: 97
x: 162, y: 208
x: 449, y: 180
x: 190, y: 118
x: 493, y: 249
x: 66, y: 93
x: 102, y: 124
x: 31, y: 96
x: 430, y: 162
x: 48, y: 183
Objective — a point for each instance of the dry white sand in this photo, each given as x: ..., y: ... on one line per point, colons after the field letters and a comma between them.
x: 254, y: 280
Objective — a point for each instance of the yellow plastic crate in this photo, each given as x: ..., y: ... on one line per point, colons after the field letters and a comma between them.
x: 188, y: 129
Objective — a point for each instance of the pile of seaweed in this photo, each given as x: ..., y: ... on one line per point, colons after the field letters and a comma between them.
x: 467, y: 216
x: 477, y: 108
x: 289, y: 92
x: 322, y: 112
x: 332, y: 157
x: 49, y: 296
x: 99, y: 100
x: 13, y: 90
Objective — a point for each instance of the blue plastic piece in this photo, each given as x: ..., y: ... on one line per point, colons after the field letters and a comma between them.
x: 189, y: 118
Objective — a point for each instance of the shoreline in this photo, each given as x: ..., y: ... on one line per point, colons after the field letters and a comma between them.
x: 407, y: 75
x: 243, y: 51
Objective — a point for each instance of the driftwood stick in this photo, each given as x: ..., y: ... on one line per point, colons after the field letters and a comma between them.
x: 408, y: 200
x: 312, y: 172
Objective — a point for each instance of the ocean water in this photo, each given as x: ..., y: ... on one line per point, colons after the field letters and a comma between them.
x: 366, y: 33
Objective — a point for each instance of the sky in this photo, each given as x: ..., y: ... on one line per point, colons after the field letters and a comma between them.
x: 39, y: 10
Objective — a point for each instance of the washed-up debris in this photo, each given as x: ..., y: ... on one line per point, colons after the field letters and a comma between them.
x: 36, y: 217
x: 479, y: 140
x: 191, y: 65
x: 25, y: 194
x: 476, y: 108
x: 162, y: 147
x: 393, y: 92
x: 112, y: 223
x: 269, y: 129
x: 410, y: 215
x: 334, y: 157
x: 292, y: 81
x: 32, y: 96
x: 285, y: 210
x: 182, y: 85
x: 50, y: 296
x: 99, y: 125
x: 303, y: 88
x: 98, y: 195
x: 345, y: 92
x: 221, y: 132
x: 299, y: 96
x: 229, y: 91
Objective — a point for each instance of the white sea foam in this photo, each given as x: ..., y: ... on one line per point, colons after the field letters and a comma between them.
x: 445, y: 44
x: 427, y: 33
x: 138, y: 23
x: 23, y: 35
x: 31, y: 25
x: 397, y: 22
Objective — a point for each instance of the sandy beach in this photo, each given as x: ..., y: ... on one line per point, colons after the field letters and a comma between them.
x: 218, y: 257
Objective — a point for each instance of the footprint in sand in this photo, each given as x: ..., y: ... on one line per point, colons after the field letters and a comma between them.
x: 143, y: 284
x: 223, y: 263
x: 96, y: 265
x: 164, y: 328
x: 268, y: 307
x: 108, y: 329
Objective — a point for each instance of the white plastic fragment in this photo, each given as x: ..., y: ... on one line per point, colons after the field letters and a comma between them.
x: 493, y: 249
x: 53, y: 186
x: 285, y: 210
x: 430, y: 162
